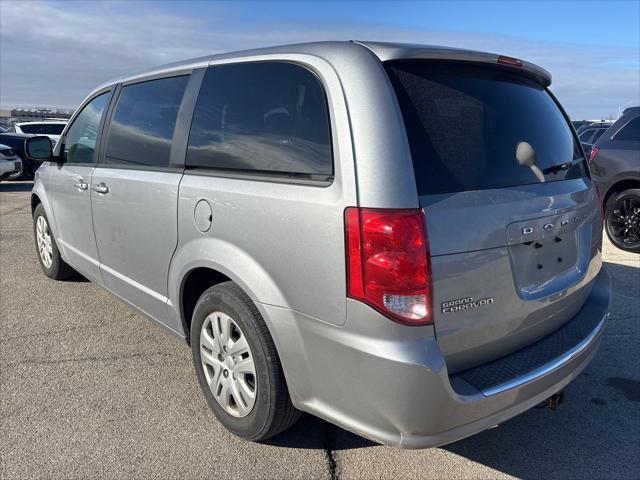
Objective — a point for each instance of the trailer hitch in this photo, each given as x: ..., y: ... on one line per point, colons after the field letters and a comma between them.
x: 554, y: 401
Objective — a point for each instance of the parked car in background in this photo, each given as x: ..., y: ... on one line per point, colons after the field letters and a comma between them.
x: 605, y: 124
x: 50, y: 128
x: 578, y: 123
x: 382, y: 235
x: 615, y: 167
x: 9, y: 162
x: 28, y: 165
x: 589, y: 136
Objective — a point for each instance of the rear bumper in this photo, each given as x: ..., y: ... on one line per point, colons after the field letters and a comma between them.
x: 390, y: 384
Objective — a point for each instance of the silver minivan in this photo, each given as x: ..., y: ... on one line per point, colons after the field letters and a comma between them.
x: 403, y: 240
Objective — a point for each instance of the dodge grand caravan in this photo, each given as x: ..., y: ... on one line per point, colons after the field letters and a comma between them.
x: 403, y: 240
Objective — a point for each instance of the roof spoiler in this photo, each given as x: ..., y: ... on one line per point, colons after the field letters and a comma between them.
x: 389, y: 51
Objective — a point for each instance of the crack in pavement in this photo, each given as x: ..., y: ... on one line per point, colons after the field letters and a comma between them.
x: 328, y: 447
x: 14, y: 210
x: 89, y: 359
x: 55, y: 332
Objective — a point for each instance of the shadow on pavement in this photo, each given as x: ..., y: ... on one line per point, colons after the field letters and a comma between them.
x: 592, y: 434
x: 625, y: 279
x: 16, y: 186
x: 315, y: 433
x: 77, y: 278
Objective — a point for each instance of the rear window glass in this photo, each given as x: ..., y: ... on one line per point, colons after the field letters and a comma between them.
x: 44, y: 128
x: 630, y: 132
x: 267, y: 117
x: 586, y: 135
x: 598, y: 134
x: 465, y: 125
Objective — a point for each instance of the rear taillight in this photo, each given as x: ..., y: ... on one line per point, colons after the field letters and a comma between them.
x: 388, y: 262
x: 592, y: 155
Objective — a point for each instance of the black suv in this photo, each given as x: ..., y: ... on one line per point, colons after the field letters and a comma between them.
x: 615, y: 166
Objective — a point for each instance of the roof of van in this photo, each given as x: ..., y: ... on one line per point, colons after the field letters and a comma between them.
x: 384, y: 52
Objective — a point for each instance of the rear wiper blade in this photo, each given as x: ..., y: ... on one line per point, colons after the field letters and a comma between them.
x: 557, y: 168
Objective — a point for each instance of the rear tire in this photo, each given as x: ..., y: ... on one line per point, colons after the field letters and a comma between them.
x: 49, y: 257
x: 622, y: 220
x: 220, y: 371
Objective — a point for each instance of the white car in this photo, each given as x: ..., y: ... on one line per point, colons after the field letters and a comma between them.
x: 9, y: 162
x: 50, y: 128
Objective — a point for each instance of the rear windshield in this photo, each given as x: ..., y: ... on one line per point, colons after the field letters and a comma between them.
x: 474, y: 128
x: 43, y: 128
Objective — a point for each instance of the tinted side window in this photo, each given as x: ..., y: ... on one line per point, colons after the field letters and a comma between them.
x: 143, y: 122
x: 269, y: 117
x: 586, y: 135
x: 53, y: 128
x: 80, y: 143
x: 630, y: 132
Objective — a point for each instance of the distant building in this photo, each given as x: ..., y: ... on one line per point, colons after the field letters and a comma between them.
x: 5, y: 113
x: 29, y: 114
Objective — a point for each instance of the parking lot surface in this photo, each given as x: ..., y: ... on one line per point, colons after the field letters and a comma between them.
x: 90, y: 389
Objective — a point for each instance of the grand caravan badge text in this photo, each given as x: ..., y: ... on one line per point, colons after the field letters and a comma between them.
x: 464, y: 304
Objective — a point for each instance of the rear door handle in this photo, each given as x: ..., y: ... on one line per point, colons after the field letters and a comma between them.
x: 81, y: 185
x: 101, y: 188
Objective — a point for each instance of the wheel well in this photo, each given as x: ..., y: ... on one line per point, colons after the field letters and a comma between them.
x: 619, y: 188
x: 35, y: 201
x: 193, y: 286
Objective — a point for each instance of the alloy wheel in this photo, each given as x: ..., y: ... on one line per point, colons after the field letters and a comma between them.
x: 623, y: 224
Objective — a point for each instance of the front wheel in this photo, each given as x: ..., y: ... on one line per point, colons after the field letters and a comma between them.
x: 622, y: 220
x: 51, y: 262
x: 237, y: 365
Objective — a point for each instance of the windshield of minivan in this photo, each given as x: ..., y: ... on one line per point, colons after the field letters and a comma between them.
x: 43, y: 128
x: 465, y: 124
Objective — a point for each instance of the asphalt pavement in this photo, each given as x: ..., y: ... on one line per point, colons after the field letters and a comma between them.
x: 90, y: 389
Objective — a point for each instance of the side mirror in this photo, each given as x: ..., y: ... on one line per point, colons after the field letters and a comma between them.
x: 38, y: 148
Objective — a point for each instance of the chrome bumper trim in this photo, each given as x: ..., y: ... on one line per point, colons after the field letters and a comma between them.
x: 551, y: 366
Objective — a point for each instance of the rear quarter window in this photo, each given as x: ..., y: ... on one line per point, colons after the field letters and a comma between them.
x: 464, y: 124
x: 630, y: 132
x: 263, y: 117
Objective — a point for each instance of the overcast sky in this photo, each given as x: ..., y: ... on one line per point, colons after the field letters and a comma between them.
x: 53, y: 53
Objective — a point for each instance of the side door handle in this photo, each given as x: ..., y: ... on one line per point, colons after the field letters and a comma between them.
x: 101, y: 188
x: 80, y: 184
